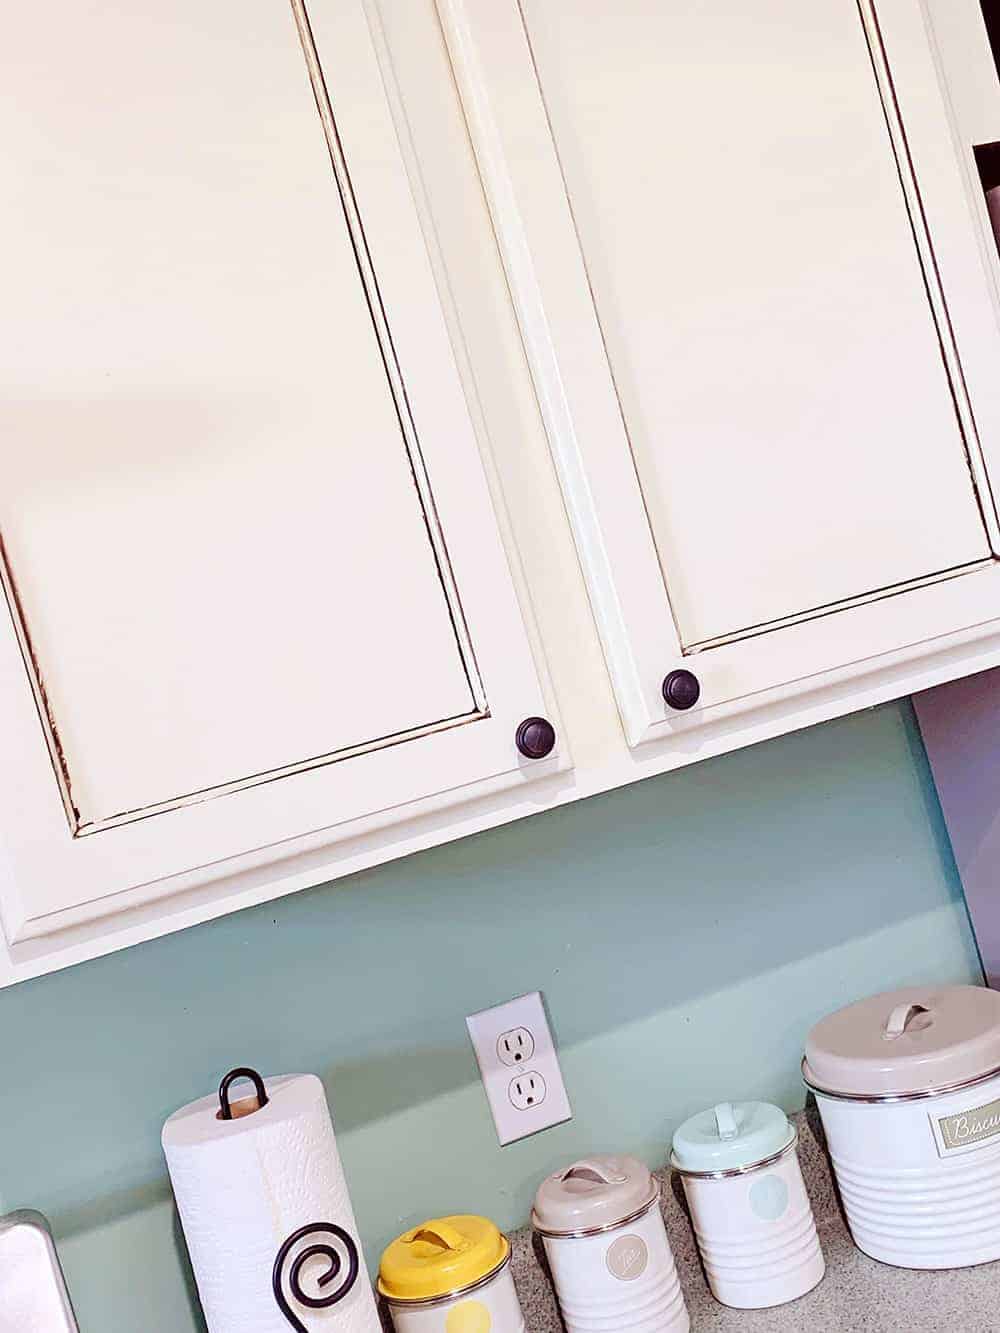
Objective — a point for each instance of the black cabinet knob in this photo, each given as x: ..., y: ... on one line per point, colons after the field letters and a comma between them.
x: 681, y: 689
x: 536, y: 737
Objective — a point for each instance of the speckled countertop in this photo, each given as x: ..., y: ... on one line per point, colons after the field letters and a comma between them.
x: 856, y: 1294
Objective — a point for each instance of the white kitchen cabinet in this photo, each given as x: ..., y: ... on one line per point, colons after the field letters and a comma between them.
x: 306, y: 394
x: 750, y: 273
x: 257, y: 599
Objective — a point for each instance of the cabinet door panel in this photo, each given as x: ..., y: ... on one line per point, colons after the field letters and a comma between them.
x: 205, y: 460
x: 753, y: 297
x: 754, y: 267
x: 257, y: 589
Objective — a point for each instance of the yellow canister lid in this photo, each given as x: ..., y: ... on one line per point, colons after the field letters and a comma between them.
x: 444, y: 1255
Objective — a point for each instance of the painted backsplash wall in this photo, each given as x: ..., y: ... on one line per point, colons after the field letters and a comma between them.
x: 686, y: 932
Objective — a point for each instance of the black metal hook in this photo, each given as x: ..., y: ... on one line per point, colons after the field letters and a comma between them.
x: 225, y: 1110
x: 311, y: 1252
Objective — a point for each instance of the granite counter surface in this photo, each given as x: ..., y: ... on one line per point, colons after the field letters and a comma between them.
x: 857, y: 1293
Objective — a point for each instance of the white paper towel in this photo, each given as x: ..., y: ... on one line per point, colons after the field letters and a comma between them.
x: 243, y: 1187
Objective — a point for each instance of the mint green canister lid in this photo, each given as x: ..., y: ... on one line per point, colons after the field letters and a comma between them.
x: 732, y: 1136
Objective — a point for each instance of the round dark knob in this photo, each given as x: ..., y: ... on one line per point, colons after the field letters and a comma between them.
x: 681, y: 689
x: 536, y: 737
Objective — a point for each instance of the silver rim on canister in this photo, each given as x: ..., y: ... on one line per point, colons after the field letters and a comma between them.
x: 733, y: 1171
x: 428, y: 1302
x: 888, y: 1098
x: 650, y: 1203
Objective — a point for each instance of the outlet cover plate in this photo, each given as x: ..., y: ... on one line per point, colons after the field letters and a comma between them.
x: 516, y: 1112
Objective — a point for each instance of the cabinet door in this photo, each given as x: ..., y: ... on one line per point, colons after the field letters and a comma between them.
x: 753, y: 295
x: 258, y: 599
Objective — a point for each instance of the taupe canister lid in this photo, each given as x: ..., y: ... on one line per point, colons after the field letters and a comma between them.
x: 915, y: 1040
x: 592, y: 1195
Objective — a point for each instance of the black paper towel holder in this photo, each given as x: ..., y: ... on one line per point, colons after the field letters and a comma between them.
x: 234, y: 1075
x: 324, y: 1249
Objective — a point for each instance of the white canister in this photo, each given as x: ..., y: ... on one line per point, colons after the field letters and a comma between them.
x: 451, y: 1275
x: 607, y: 1248
x: 908, y: 1087
x: 752, y: 1217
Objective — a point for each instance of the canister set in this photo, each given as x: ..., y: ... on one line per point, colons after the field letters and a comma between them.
x: 606, y: 1244
x: 908, y: 1088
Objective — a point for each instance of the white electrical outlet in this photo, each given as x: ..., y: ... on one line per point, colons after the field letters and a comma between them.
x: 519, y: 1066
x: 527, y: 1090
x: 515, y: 1047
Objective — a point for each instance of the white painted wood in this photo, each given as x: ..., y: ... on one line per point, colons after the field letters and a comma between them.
x: 966, y: 64
x: 251, y: 880
x: 228, y: 599
x: 549, y: 286
x: 762, y: 302
x: 951, y: 214
x: 490, y: 343
x: 968, y: 74
x: 666, y: 149
x: 249, y: 539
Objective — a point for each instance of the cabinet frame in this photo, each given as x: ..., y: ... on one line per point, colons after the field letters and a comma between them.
x: 942, y: 625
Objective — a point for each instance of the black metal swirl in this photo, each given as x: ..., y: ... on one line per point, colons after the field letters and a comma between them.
x: 327, y: 1251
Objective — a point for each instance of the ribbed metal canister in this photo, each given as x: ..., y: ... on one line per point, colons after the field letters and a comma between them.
x: 752, y: 1217
x: 624, y: 1279
x: 905, y: 1203
x: 908, y: 1087
x: 749, y: 1264
x: 607, y: 1248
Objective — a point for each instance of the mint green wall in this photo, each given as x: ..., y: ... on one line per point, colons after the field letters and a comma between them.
x: 686, y: 932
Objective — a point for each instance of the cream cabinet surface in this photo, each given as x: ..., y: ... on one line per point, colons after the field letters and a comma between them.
x: 750, y: 273
x: 257, y: 596
x: 379, y: 374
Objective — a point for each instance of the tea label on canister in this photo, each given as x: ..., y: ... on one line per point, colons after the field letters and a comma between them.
x: 627, y: 1258
x: 965, y: 1131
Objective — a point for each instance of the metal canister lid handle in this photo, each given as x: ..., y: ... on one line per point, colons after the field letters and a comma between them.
x: 725, y: 1121
x: 234, y: 1075
x: 440, y: 1233
x: 587, y: 1169
x: 896, y: 1023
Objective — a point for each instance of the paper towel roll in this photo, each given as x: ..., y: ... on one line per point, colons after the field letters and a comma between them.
x: 243, y: 1188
